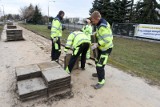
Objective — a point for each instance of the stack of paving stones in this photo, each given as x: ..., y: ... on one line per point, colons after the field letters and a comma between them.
x: 11, y: 27
x: 14, y: 34
x: 67, y: 59
x: 9, y: 23
x: 57, y: 80
x: 29, y: 82
x: 43, y: 79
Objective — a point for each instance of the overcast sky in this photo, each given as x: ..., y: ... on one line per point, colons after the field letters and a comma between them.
x: 72, y: 8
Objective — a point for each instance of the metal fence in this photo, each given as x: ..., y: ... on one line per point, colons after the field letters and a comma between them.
x: 73, y: 26
x: 123, y: 29
x: 126, y: 30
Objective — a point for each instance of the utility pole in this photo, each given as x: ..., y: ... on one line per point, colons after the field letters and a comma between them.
x: 48, y: 10
x: 3, y: 14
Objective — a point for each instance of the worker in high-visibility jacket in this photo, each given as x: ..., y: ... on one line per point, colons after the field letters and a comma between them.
x: 87, y: 29
x: 56, y: 33
x: 80, y: 43
x: 104, y: 46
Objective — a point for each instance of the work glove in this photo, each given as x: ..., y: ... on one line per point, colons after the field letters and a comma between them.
x: 54, y: 40
x: 94, y: 46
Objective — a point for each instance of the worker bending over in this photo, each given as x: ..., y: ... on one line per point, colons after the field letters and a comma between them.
x: 80, y: 43
x: 87, y: 29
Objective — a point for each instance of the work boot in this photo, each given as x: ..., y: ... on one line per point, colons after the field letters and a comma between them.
x: 67, y: 71
x: 98, y: 86
x: 57, y: 60
x: 82, y: 69
x: 94, y: 75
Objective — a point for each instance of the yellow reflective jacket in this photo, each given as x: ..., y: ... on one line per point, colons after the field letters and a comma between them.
x: 56, y: 28
x: 87, y: 30
x: 75, y: 39
x: 104, y: 35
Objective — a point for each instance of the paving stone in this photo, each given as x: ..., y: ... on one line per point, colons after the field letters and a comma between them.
x: 67, y: 59
x: 48, y: 65
x: 54, y: 74
x: 59, y: 82
x: 59, y: 88
x: 60, y: 93
x: 31, y: 88
x: 27, y: 72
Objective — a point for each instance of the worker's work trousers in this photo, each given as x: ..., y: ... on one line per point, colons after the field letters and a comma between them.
x: 81, y: 49
x: 101, y: 61
x: 56, y: 49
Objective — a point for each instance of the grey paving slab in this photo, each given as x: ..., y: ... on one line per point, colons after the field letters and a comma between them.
x: 33, y: 97
x: 59, y: 87
x: 31, y: 87
x: 27, y: 72
x: 48, y: 65
x: 54, y: 74
x: 59, y: 83
x: 62, y: 92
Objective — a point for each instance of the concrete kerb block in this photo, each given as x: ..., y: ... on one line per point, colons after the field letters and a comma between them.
x: 67, y: 59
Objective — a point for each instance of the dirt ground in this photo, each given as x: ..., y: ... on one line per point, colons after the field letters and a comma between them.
x: 120, y: 90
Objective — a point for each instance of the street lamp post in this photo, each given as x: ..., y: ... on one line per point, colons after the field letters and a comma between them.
x: 48, y: 10
x: 3, y: 14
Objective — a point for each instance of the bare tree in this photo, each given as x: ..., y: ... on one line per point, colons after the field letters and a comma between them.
x: 27, y: 13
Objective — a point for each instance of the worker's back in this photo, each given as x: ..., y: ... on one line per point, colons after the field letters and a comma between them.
x: 76, y: 38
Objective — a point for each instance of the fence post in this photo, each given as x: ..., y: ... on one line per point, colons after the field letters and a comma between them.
x: 68, y: 25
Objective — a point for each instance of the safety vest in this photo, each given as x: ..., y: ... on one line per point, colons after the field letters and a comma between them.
x: 87, y: 30
x: 56, y: 29
x: 75, y: 39
x: 104, y: 36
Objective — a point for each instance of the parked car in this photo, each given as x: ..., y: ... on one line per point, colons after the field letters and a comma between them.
x: 49, y: 25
